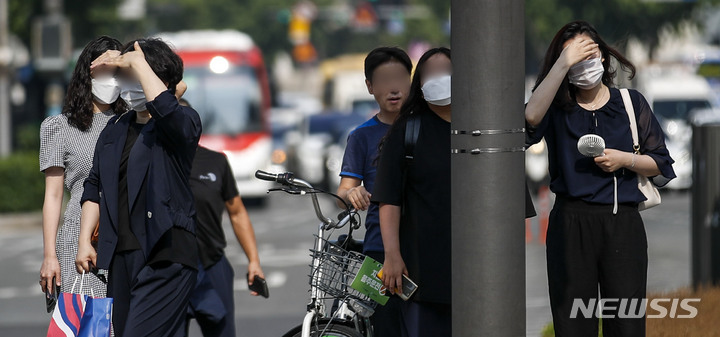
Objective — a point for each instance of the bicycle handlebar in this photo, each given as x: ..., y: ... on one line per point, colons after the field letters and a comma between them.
x: 283, y: 178
x: 288, y: 179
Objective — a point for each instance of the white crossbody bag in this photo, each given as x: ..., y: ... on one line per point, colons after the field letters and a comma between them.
x: 644, y: 185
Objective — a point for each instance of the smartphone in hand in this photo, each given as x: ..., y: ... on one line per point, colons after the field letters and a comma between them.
x: 51, y: 298
x: 259, y: 285
x: 408, y: 288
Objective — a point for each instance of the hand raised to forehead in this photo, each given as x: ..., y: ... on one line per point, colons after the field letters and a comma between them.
x: 120, y: 60
x: 578, y: 50
x: 97, y: 66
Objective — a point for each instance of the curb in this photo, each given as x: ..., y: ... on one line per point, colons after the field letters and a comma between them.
x: 20, y: 221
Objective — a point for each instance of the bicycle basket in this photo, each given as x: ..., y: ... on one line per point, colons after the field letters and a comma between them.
x: 336, y: 270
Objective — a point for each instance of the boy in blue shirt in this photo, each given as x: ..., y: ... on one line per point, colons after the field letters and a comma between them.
x: 387, y: 76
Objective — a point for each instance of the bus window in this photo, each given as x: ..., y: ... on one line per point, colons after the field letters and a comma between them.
x: 228, y: 103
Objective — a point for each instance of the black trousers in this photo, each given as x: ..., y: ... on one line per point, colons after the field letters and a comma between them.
x: 589, y: 247
x: 149, y: 300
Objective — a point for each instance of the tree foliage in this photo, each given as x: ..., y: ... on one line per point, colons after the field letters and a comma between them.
x: 89, y: 18
x: 266, y: 21
x: 615, y: 20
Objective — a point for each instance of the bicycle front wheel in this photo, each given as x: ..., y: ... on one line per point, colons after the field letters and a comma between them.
x: 331, y: 330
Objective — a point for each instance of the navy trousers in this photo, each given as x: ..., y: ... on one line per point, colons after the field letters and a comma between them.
x: 212, y: 300
x: 424, y: 319
x: 149, y: 300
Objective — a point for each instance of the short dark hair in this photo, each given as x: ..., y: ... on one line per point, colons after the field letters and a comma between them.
x: 165, y: 63
x: 382, y: 55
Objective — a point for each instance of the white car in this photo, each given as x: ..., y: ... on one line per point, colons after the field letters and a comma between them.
x: 673, y: 99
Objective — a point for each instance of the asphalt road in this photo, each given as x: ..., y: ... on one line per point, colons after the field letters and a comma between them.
x: 285, y: 231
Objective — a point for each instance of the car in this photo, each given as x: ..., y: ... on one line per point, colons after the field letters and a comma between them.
x: 310, y: 146
x: 285, y: 124
x: 674, y: 98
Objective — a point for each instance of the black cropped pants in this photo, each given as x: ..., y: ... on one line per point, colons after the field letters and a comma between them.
x: 593, y: 254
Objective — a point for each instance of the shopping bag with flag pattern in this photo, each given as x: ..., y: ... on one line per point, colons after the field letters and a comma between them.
x: 68, y: 313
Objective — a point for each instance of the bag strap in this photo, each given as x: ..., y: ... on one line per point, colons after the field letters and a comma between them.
x: 412, y: 131
x: 82, y: 281
x: 80, y: 289
x: 631, y: 115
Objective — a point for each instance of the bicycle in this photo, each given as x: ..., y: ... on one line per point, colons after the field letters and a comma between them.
x: 333, y: 267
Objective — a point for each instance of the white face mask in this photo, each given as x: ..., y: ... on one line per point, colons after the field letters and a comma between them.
x: 437, y: 90
x: 586, y: 74
x: 105, y: 90
x: 132, y: 93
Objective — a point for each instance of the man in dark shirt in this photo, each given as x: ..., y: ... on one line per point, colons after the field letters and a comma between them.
x: 213, y: 185
x: 139, y: 192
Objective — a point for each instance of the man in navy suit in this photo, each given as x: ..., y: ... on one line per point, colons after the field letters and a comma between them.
x: 138, y: 190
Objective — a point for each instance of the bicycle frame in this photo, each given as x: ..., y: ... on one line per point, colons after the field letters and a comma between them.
x: 316, y: 308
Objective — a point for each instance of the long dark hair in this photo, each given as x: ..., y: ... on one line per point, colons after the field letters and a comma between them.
x: 78, y: 106
x: 415, y: 102
x: 565, y: 95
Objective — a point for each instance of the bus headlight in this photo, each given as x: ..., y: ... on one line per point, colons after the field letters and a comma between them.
x: 219, y: 65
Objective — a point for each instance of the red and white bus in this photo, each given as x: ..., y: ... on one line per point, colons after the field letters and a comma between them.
x: 228, y: 86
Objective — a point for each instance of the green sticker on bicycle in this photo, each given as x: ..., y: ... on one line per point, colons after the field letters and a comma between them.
x: 367, y: 282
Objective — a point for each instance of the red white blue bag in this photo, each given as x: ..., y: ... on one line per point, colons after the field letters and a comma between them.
x: 79, y: 315
x: 68, y: 313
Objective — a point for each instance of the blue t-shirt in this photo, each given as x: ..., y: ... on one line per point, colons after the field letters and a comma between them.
x: 359, y: 162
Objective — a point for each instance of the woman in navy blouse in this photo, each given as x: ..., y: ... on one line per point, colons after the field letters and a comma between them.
x: 590, y: 243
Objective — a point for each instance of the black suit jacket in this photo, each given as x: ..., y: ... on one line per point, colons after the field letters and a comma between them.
x: 161, y: 159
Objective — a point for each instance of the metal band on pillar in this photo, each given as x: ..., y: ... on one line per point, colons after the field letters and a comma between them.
x: 476, y: 133
x: 487, y: 132
x: 487, y: 150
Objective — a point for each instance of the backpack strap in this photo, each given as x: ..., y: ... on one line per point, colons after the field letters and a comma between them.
x: 412, y: 131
